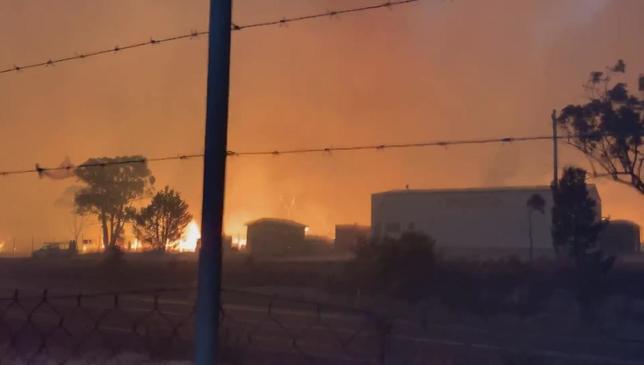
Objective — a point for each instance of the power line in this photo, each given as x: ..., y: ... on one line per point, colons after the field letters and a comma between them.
x: 375, y: 147
x: 195, y: 34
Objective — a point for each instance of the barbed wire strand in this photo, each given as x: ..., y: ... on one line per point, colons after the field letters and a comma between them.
x: 195, y: 34
x: 376, y: 147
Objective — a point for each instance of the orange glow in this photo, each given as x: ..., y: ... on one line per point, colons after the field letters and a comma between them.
x: 188, y: 241
x: 318, y: 84
x: 136, y: 245
x: 239, y: 242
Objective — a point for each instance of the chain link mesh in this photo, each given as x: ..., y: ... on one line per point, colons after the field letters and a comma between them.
x: 158, y: 325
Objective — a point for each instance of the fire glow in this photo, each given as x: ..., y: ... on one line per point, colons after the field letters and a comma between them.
x: 239, y: 242
x: 188, y: 241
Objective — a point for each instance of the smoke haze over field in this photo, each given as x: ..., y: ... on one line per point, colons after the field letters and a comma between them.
x: 434, y: 70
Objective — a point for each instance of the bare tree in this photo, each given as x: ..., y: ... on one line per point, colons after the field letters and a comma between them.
x: 77, y: 222
x: 77, y: 226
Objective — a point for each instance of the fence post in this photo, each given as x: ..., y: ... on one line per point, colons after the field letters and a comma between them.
x: 209, y: 287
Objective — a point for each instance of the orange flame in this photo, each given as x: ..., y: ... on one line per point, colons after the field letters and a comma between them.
x: 188, y: 241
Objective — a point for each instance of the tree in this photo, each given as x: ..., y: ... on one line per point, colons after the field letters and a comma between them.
x: 111, y: 185
x: 575, y: 225
x: 163, y: 221
x: 575, y: 229
x: 608, y: 128
x: 535, y: 203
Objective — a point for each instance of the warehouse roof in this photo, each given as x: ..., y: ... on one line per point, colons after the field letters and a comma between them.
x: 276, y: 221
x: 495, y: 189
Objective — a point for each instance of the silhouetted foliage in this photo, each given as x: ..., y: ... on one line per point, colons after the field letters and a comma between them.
x: 109, y: 191
x: 575, y: 225
x: 608, y: 128
x: 575, y: 229
x: 164, y: 220
x: 401, y: 267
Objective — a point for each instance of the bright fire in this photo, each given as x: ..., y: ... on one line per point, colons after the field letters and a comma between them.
x: 136, y: 245
x: 239, y: 242
x: 188, y: 241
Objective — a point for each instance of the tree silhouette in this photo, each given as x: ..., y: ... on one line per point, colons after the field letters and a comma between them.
x: 575, y: 229
x: 163, y: 221
x: 535, y: 203
x: 109, y: 190
x: 608, y: 128
x: 575, y: 225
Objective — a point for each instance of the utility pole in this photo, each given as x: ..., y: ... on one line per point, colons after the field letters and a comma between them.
x: 214, y: 178
x: 555, y: 152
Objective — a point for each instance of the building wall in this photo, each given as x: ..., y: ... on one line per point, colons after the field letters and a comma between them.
x: 273, y: 238
x: 469, y: 220
x: 620, y: 237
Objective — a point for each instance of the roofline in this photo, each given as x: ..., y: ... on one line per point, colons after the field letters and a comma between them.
x: 352, y: 226
x: 276, y: 220
x: 622, y: 221
x: 472, y: 190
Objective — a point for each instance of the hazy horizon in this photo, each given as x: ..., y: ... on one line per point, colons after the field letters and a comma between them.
x: 387, y: 76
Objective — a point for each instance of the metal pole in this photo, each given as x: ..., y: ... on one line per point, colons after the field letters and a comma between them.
x: 555, y: 152
x: 530, y: 235
x: 209, y: 288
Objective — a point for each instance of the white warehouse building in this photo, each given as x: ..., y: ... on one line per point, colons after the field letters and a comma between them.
x: 478, y: 222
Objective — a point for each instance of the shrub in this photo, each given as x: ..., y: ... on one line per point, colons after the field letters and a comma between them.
x: 400, y: 268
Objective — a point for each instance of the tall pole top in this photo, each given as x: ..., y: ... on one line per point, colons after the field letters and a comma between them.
x: 555, y: 152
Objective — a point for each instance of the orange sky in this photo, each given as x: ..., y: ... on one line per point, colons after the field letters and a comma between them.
x: 428, y: 71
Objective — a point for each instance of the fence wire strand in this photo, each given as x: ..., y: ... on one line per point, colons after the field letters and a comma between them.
x: 40, y: 170
x: 196, y: 33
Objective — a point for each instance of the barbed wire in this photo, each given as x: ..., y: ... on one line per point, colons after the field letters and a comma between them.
x: 195, y: 33
x: 374, y: 147
x: 380, y: 147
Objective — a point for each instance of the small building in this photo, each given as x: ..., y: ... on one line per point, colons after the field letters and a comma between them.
x: 620, y: 237
x: 274, y: 236
x: 314, y: 245
x: 475, y: 222
x: 349, y: 236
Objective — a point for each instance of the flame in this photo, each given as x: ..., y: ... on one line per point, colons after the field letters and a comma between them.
x: 188, y: 241
x: 136, y: 245
x: 239, y: 242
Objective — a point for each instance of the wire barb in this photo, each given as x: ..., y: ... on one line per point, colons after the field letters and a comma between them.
x: 193, y: 34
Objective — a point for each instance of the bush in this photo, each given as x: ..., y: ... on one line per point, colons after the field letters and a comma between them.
x: 400, y: 268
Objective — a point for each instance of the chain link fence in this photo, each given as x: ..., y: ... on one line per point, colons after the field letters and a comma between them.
x: 157, y: 326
